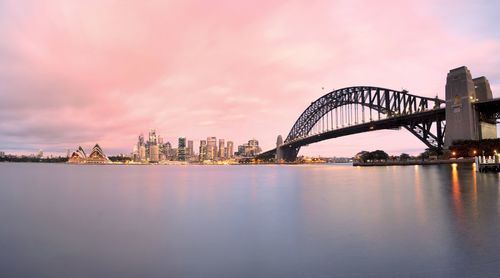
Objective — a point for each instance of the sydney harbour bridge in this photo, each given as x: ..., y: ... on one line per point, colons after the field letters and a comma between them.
x: 468, y: 113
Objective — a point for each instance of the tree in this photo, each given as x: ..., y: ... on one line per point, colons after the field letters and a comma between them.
x: 404, y: 157
x: 379, y: 155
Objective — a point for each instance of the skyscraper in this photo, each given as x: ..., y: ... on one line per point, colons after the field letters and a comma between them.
x: 154, y: 153
x: 190, y: 149
x: 250, y: 149
x: 230, y: 149
x: 203, y: 150
x: 221, y: 149
x: 211, y: 148
x: 168, y: 151
x: 152, y: 137
x: 141, y: 149
x: 181, y: 149
x: 152, y: 149
x: 142, y: 153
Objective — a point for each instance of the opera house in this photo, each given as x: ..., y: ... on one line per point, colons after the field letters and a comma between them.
x: 96, y: 156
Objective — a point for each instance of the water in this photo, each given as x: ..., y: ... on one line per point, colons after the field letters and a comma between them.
x: 248, y: 221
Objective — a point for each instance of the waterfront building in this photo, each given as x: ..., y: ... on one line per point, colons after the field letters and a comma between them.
x: 250, y: 149
x: 241, y: 150
x: 230, y: 149
x: 142, y: 153
x: 153, y: 139
x: 154, y: 153
x: 181, y: 150
x: 78, y: 156
x: 2, y: 154
x: 96, y: 156
x: 169, y: 152
x: 203, y: 150
x: 221, y: 149
x: 211, y: 148
x: 135, y: 153
x: 190, y: 149
x: 152, y: 147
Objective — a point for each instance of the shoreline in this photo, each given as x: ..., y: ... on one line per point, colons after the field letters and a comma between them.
x: 415, y: 162
x: 355, y: 164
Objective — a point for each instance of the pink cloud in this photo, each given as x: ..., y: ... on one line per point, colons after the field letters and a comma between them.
x: 77, y: 72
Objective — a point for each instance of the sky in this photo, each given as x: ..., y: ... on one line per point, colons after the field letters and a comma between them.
x: 104, y: 71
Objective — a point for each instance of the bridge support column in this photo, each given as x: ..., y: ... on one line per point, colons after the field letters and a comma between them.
x: 487, y: 129
x: 288, y: 154
x: 461, y: 119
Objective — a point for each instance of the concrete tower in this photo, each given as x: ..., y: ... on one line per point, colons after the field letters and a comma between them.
x: 487, y: 130
x: 279, y: 151
x: 461, y: 122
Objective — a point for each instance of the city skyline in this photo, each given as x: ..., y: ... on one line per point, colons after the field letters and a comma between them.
x: 155, y: 149
x: 238, y: 70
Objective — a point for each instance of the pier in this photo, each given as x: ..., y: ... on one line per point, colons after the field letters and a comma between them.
x: 488, y: 163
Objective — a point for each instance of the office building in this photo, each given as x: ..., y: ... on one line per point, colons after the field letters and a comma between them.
x: 181, y: 149
x: 190, y: 149
x: 203, y: 150
x: 221, y: 149
x: 230, y: 149
x: 211, y: 148
x: 154, y: 153
x: 250, y: 149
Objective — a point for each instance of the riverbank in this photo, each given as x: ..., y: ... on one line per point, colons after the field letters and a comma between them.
x: 414, y: 162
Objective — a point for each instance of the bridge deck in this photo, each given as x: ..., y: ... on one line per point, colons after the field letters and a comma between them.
x: 387, y: 123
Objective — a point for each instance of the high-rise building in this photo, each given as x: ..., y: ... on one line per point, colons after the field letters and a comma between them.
x: 152, y: 147
x: 230, y: 149
x: 203, y: 150
x: 142, y: 153
x: 154, y: 153
x: 211, y: 148
x: 181, y: 150
x: 221, y: 149
x: 141, y: 149
x: 190, y: 149
x: 153, y: 139
x: 250, y: 149
x: 253, y: 142
x: 169, y: 152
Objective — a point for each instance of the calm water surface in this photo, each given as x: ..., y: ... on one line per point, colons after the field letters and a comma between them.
x: 248, y: 221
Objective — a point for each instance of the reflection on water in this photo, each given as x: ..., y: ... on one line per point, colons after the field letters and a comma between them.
x: 248, y: 221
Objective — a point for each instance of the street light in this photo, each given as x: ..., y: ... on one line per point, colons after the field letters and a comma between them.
x: 453, y: 153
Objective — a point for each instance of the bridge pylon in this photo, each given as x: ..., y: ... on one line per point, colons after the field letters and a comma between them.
x: 285, y: 153
x: 462, y: 120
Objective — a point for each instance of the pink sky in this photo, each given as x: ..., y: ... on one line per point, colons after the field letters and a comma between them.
x: 80, y: 72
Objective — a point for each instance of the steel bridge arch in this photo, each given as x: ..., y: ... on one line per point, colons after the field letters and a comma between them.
x: 391, y: 103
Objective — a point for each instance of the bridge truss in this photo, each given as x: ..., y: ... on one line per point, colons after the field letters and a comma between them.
x: 360, y: 109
